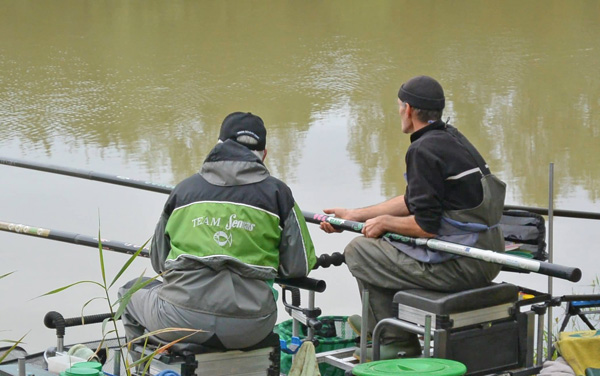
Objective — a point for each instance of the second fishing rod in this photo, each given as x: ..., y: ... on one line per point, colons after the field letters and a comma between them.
x: 515, y: 262
x: 165, y: 188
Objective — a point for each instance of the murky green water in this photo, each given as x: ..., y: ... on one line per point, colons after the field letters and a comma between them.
x: 139, y: 88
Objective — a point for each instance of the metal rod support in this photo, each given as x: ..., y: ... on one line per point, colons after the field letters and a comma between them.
x: 540, y: 340
x: 427, y: 337
x: 310, y: 334
x: 550, y: 248
x: 364, y: 327
x: 21, y: 366
x: 117, y: 362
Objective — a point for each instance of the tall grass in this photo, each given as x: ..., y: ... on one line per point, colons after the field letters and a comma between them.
x: 16, y: 343
x: 116, y: 309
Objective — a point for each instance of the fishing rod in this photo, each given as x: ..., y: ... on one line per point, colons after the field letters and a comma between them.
x: 515, y: 262
x: 89, y: 175
x: 164, y: 188
x: 305, y: 283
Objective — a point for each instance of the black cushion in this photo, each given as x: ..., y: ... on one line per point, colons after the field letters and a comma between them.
x: 212, y: 345
x: 444, y: 303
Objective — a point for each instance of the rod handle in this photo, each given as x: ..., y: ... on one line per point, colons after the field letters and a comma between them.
x: 560, y: 271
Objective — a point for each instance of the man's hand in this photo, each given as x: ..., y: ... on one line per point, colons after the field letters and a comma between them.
x: 338, y: 213
x: 381, y: 225
x: 377, y: 227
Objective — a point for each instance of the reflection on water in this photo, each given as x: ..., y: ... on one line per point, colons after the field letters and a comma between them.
x: 155, y: 81
x: 144, y: 85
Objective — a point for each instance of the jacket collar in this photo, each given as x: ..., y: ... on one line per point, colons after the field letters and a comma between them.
x: 429, y: 127
x: 230, y: 163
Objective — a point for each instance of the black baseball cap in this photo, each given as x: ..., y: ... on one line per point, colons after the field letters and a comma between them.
x: 239, y: 124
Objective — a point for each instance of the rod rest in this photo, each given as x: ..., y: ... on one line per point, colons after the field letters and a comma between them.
x: 305, y: 283
x: 307, y: 316
x: 310, y: 315
x: 54, y: 320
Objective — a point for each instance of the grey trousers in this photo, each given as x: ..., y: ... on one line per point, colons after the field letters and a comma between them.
x: 383, y: 270
x: 147, y: 312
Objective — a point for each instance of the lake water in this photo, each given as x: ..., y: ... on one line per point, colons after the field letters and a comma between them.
x: 139, y: 89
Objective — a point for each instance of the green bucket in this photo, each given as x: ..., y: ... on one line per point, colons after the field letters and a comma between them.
x: 81, y: 371
x: 411, y: 367
x: 93, y: 365
x: 334, y: 335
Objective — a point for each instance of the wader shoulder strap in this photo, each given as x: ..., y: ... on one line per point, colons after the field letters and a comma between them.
x: 470, y: 148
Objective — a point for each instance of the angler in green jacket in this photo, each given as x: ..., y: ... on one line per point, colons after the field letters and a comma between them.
x: 225, y: 233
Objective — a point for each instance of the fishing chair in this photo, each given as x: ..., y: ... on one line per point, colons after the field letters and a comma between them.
x: 192, y: 359
x: 483, y: 328
x: 210, y: 359
x: 188, y: 359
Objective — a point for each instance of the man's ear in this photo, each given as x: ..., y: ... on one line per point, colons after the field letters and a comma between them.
x: 264, y: 155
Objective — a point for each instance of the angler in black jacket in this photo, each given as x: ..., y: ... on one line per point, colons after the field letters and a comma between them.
x: 451, y: 195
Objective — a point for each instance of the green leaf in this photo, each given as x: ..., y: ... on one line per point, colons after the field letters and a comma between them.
x: 104, y: 332
x: 133, y: 257
x: 101, y: 253
x: 88, y: 302
x: 16, y: 343
x: 141, y: 360
x: 124, y: 299
x: 104, y: 322
x: 101, y: 344
x: 66, y: 287
x: 167, y: 330
x: 6, y: 275
x: 139, y: 284
x: 163, y: 347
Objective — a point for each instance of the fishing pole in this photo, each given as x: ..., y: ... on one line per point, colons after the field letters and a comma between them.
x: 89, y: 175
x: 164, y: 188
x: 515, y: 262
x: 305, y: 283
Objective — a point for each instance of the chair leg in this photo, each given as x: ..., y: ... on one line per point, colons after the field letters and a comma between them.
x: 189, y: 366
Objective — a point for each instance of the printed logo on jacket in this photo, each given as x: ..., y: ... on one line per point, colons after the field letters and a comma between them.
x: 221, y: 237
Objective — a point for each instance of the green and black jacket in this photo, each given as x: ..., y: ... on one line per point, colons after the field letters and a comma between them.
x: 230, y: 217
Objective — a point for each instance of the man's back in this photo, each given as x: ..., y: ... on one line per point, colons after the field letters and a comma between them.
x: 442, y: 175
x: 217, y: 221
x: 225, y: 233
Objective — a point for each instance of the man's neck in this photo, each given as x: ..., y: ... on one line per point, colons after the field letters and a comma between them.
x: 418, y: 125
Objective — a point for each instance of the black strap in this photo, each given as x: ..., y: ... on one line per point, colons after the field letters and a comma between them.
x: 470, y: 148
